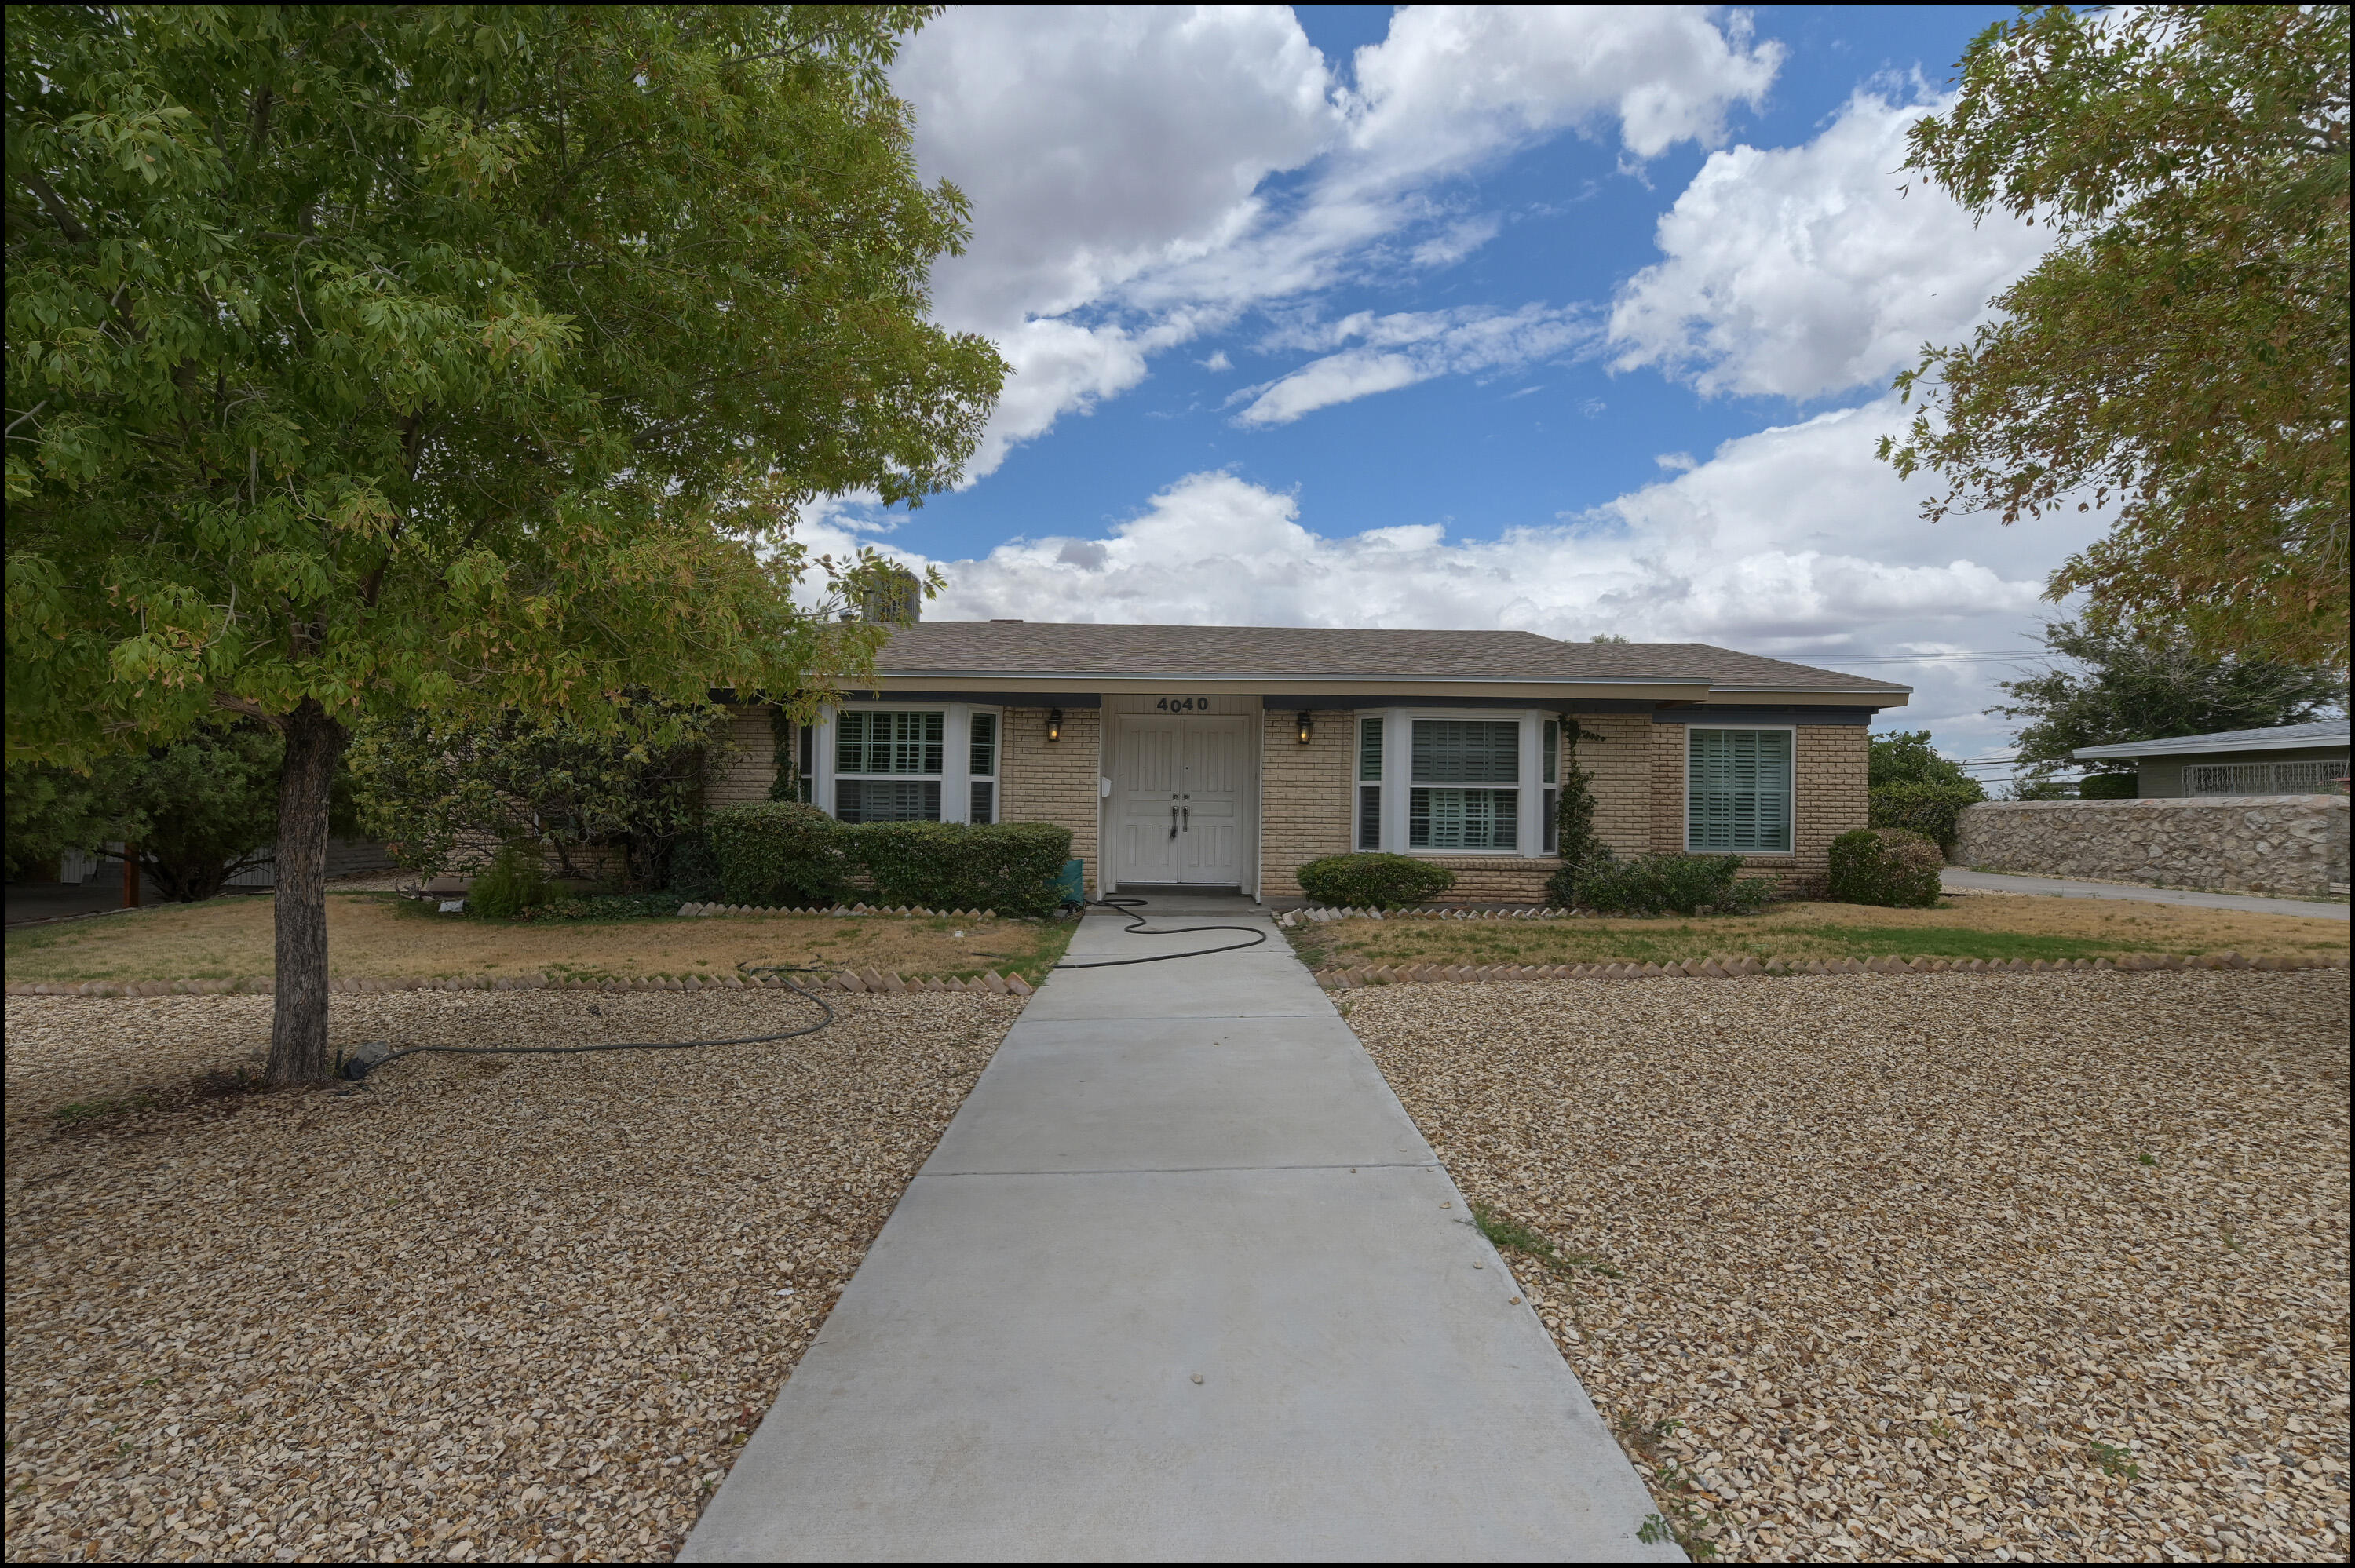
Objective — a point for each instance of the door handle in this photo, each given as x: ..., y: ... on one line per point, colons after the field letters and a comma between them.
x: 1189, y: 818
x: 1173, y: 822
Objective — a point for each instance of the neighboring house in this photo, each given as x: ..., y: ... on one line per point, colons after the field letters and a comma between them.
x: 2286, y: 759
x: 1228, y: 755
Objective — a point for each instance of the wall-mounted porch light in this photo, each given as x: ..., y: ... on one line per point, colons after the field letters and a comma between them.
x: 1303, y: 726
x: 1054, y: 724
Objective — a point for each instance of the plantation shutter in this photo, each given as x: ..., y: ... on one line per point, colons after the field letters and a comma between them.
x: 1738, y: 791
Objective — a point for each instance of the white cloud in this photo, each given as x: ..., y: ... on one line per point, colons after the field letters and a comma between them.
x: 1452, y: 85
x: 1401, y: 349
x: 1793, y: 541
x: 1116, y: 158
x: 1801, y: 270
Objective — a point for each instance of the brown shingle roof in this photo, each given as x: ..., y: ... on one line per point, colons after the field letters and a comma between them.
x: 1066, y: 649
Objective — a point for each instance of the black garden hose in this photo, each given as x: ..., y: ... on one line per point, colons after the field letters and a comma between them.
x: 356, y: 1068
x: 1130, y: 907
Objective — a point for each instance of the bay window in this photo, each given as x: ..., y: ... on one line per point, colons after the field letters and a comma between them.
x: 1449, y: 782
x: 880, y: 764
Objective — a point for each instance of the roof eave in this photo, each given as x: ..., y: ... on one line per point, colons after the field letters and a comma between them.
x: 2192, y: 745
x: 1133, y: 684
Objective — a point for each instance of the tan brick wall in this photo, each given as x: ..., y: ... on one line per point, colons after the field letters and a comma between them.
x: 1832, y: 762
x: 1619, y: 764
x: 1496, y: 879
x: 742, y: 771
x: 1043, y: 781
x: 1306, y: 795
x: 1668, y: 788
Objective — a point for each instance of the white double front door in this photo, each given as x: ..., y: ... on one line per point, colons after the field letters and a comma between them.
x: 1179, y: 786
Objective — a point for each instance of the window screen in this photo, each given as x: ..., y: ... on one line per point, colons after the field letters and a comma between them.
x: 1738, y: 789
x: 1462, y: 819
x: 1369, y: 751
x: 1460, y: 751
x: 1552, y: 750
x: 871, y: 742
x: 1370, y: 816
x: 984, y: 803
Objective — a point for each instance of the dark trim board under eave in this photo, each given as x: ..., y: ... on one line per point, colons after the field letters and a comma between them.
x: 985, y: 699
x: 1706, y: 713
x: 1353, y: 701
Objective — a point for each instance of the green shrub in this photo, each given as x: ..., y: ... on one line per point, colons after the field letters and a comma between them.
x: 1373, y: 881
x: 777, y: 852
x: 693, y: 875
x: 1933, y: 810
x: 1011, y: 867
x: 514, y: 881
x: 1886, y: 866
x: 2108, y: 787
x: 1670, y: 883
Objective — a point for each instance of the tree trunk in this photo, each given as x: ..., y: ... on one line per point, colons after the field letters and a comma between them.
x: 298, y: 1030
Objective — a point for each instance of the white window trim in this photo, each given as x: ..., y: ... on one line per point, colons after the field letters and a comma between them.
x: 1398, y: 780
x: 1686, y: 808
x: 956, y: 775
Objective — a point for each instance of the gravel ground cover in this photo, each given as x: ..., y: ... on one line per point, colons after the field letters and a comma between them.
x: 2043, y: 1267
x: 1991, y: 926
x: 517, y: 1308
x: 379, y: 936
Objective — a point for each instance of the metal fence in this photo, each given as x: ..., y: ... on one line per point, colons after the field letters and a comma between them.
x: 2263, y: 777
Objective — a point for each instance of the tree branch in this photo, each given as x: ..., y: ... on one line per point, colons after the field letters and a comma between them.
x: 54, y: 205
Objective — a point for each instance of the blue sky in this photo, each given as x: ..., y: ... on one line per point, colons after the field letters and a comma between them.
x: 1573, y: 320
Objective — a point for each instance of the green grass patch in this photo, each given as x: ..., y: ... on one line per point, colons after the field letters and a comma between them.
x: 1507, y: 1234
x: 1963, y: 942
x: 80, y: 1113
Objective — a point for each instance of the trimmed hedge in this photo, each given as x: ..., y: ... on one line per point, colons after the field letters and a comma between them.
x: 2109, y: 786
x: 777, y: 852
x: 1011, y: 867
x: 1371, y: 881
x: 1885, y: 866
x: 1933, y: 810
x: 1670, y: 883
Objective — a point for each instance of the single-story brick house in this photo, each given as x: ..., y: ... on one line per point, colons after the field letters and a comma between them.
x: 2281, y: 759
x: 1227, y: 756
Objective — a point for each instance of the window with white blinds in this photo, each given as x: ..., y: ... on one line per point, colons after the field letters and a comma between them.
x: 1738, y: 791
x: 1458, y: 752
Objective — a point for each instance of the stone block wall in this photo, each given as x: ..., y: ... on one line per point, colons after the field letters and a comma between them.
x: 1040, y: 781
x: 1307, y: 794
x: 2292, y: 844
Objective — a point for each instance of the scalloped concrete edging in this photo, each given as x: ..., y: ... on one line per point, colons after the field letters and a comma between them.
x: 1318, y: 913
x: 250, y: 985
x: 1744, y: 969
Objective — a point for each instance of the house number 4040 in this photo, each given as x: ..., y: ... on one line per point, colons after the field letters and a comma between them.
x: 1183, y: 705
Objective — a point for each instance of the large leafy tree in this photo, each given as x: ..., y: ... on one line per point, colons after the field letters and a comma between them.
x: 2182, y: 351
x: 436, y: 791
x: 2110, y: 686
x: 463, y: 359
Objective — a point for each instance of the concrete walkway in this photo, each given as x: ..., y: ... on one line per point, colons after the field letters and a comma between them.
x: 1994, y: 882
x: 1180, y: 1281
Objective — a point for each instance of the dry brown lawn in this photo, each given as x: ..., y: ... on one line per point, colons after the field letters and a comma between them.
x: 1985, y: 925
x: 378, y: 937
